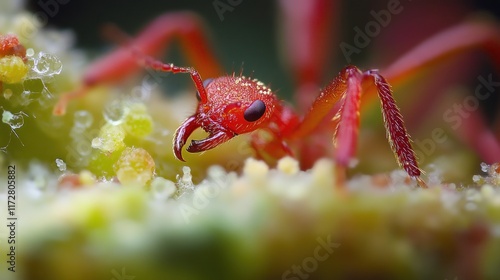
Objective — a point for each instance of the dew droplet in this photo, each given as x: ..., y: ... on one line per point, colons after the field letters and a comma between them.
x: 141, y: 93
x: 15, y: 121
x: 83, y: 119
x: 83, y: 148
x: 6, y: 116
x: 61, y: 165
x: 96, y: 143
x: 47, y: 64
x: 77, y: 132
x: 30, y: 52
x: 115, y: 112
x: 484, y: 167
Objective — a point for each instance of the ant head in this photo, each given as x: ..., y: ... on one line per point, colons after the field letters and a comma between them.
x: 227, y: 106
x: 237, y: 104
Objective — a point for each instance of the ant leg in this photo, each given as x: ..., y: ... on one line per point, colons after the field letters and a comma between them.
x: 122, y: 63
x: 274, y: 148
x: 396, y: 131
x: 347, y: 87
x: 257, y: 146
x: 327, y: 99
x: 308, y: 37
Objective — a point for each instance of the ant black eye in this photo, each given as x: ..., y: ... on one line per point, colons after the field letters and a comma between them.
x: 255, y: 111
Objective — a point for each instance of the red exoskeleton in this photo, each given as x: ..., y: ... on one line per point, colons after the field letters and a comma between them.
x: 229, y: 105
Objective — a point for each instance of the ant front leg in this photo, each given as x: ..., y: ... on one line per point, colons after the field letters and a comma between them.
x: 123, y: 62
x: 347, y: 88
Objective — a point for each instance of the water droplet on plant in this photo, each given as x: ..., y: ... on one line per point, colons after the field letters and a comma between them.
x: 115, y: 112
x: 47, y: 64
x: 96, y: 143
x: 83, y: 148
x: 6, y: 116
x: 15, y: 121
x: 61, y: 165
x: 140, y: 93
x: 30, y: 52
x: 83, y: 119
x: 484, y: 167
x: 76, y: 132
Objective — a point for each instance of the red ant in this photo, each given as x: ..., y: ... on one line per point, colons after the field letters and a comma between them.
x: 233, y: 105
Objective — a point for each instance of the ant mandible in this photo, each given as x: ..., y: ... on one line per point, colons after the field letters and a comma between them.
x: 229, y: 105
